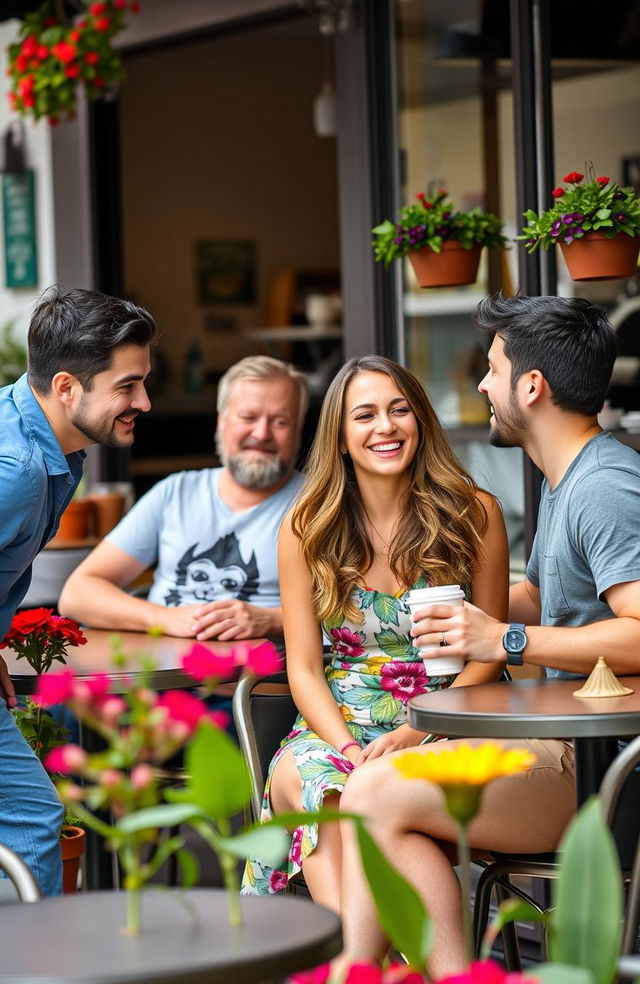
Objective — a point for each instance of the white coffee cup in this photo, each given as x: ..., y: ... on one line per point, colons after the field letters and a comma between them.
x: 436, y: 660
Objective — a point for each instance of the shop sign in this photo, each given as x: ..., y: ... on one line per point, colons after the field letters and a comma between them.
x: 19, y: 220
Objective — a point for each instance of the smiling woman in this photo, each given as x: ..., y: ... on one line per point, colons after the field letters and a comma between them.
x: 386, y: 507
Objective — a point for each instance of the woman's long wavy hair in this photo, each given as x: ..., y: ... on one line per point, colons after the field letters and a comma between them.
x: 440, y: 533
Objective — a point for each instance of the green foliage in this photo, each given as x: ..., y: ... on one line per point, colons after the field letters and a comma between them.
x: 39, y: 729
x: 13, y: 355
x: 432, y: 222
x: 586, y: 922
x: 599, y: 205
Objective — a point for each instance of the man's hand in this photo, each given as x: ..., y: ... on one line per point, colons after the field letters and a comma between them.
x: 6, y: 687
x: 233, y: 619
x: 468, y: 632
x: 402, y: 737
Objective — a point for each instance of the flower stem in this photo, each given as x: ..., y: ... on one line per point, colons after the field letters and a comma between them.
x: 133, y: 911
x: 465, y: 872
x: 229, y: 868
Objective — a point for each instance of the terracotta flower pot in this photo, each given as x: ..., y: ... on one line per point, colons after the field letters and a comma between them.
x: 72, y: 847
x: 75, y: 521
x: 452, y: 267
x: 594, y: 257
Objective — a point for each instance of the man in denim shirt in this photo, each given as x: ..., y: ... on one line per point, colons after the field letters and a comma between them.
x: 88, y: 360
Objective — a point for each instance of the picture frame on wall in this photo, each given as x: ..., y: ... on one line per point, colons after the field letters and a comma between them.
x: 225, y: 271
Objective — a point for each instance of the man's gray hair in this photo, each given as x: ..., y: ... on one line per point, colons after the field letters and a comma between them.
x: 263, y: 367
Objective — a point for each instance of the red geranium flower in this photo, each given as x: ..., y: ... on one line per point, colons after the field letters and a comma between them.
x: 574, y: 177
x: 558, y: 192
x: 97, y: 8
x: 103, y: 24
x: 602, y: 180
x: 72, y: 71
x: 91, y: 58
x: 64, y: 51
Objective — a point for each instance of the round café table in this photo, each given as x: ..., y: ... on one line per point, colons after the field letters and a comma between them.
x: 536, y: 709
x: 185, y: 939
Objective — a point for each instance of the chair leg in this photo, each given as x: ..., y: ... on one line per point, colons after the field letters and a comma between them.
x: 510, y: 943
x: 482, y: 906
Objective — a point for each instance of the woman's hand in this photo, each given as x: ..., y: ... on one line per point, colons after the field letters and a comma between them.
x: 403, y: 737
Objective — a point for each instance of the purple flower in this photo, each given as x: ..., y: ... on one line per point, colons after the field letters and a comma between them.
x: 619, y: 196
x: 567, y: 219
x: 446, y: 215
x: 578, y: 231
x: 620, y: 216
x: 398, y: 240
x: 568, y: 239
x: 578, y: 217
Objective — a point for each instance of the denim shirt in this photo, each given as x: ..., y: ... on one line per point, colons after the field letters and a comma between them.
x: 36, y: 483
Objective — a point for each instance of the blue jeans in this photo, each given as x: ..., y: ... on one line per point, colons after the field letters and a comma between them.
x: 30, y: 812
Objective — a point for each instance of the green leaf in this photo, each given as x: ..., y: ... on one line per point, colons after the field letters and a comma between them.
x: 164, y: 815
x: 603, y: 213
x: 386, y: 608
x: 385, y: 709
x: 268, y: 845
x: 554, y: 973
x: 515, y: 910
x: 189, y: 868
x: 586, y: 923
x: 393, y: 645
x: 400, y: 909
x: 218, y: 778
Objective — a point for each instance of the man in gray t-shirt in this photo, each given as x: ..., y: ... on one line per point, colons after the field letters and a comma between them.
x: 211, y: 534
x: 549, y: 368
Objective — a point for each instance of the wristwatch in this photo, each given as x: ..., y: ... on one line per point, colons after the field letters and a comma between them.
x: 514, y: 640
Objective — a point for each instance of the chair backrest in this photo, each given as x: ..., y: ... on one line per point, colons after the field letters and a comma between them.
x: 20, y: 874
x: 262, y: 718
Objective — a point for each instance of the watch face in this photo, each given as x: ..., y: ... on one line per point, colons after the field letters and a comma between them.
x: 515, y: 640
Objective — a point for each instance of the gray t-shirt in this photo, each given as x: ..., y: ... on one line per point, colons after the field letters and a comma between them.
x: 587, y: 538
x: 204, y: 550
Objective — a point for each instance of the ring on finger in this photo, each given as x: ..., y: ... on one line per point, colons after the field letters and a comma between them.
x: 443, y: 641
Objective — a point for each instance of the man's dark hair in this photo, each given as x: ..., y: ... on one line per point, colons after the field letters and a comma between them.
x: 567, y: 339
x: 77, y: 331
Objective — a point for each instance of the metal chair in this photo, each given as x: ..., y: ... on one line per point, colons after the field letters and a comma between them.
x: 263, y: 713
x: 618, y: 795
x: 20, y: 874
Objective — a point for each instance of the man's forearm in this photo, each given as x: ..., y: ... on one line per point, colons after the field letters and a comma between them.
x: 101, y: 604
x: 577, y: 649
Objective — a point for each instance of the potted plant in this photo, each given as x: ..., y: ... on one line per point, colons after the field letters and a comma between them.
x: 596, y: 224
x: 13, y: 355
x: 52, y: 57
x: 443, y: 245
x: 41, y: 638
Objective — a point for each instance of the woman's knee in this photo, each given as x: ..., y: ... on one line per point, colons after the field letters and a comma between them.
x: 362, y: 789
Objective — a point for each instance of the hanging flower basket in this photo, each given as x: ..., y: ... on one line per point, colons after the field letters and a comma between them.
x: 443, y: 245
x: 596, y: 224
x: 596, y: 257
x: 453, y: 266
x: 52, y: 57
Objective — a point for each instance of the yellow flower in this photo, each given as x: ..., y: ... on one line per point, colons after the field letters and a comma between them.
x: 463, y: 771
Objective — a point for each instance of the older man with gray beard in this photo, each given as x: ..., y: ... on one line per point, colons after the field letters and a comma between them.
x: 212, y: 533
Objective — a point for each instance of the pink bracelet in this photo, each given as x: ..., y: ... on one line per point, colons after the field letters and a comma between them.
x: 348, y: 745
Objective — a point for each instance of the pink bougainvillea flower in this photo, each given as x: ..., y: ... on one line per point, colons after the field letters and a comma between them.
x: 401, y: 974
x: 317, y: 975
x: 403, y: 680
x: 141, y: 776
x: 55, y: 688
x: 485, y: 972
x: 111, y: 710
x: 201, y: 662
x: 347, y: 643
x: 264, y: 659
x: 67, y: 759
x: 219, y: 718
x: 183, y: 708
x: 363, y: 973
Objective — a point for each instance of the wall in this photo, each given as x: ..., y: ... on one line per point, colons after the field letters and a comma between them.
x: 218, y: 143
x: 16, y: 303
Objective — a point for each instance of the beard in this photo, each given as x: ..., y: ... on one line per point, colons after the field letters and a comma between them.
x: 509, y: 430
x: 101, y: 431
x: 258, y: 471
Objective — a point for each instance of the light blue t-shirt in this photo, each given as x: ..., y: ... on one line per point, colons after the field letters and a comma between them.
x: 587, y: 538
x: 36, y: 483
x: 204, y: 550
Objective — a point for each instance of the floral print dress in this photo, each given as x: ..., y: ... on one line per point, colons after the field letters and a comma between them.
x: 374, y: 670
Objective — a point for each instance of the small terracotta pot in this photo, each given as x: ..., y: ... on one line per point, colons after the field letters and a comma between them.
x: 594, y: 257
x: 452, y: 267
x: 108, y: 510
x: 72, y: 847
x: 75, y: 521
